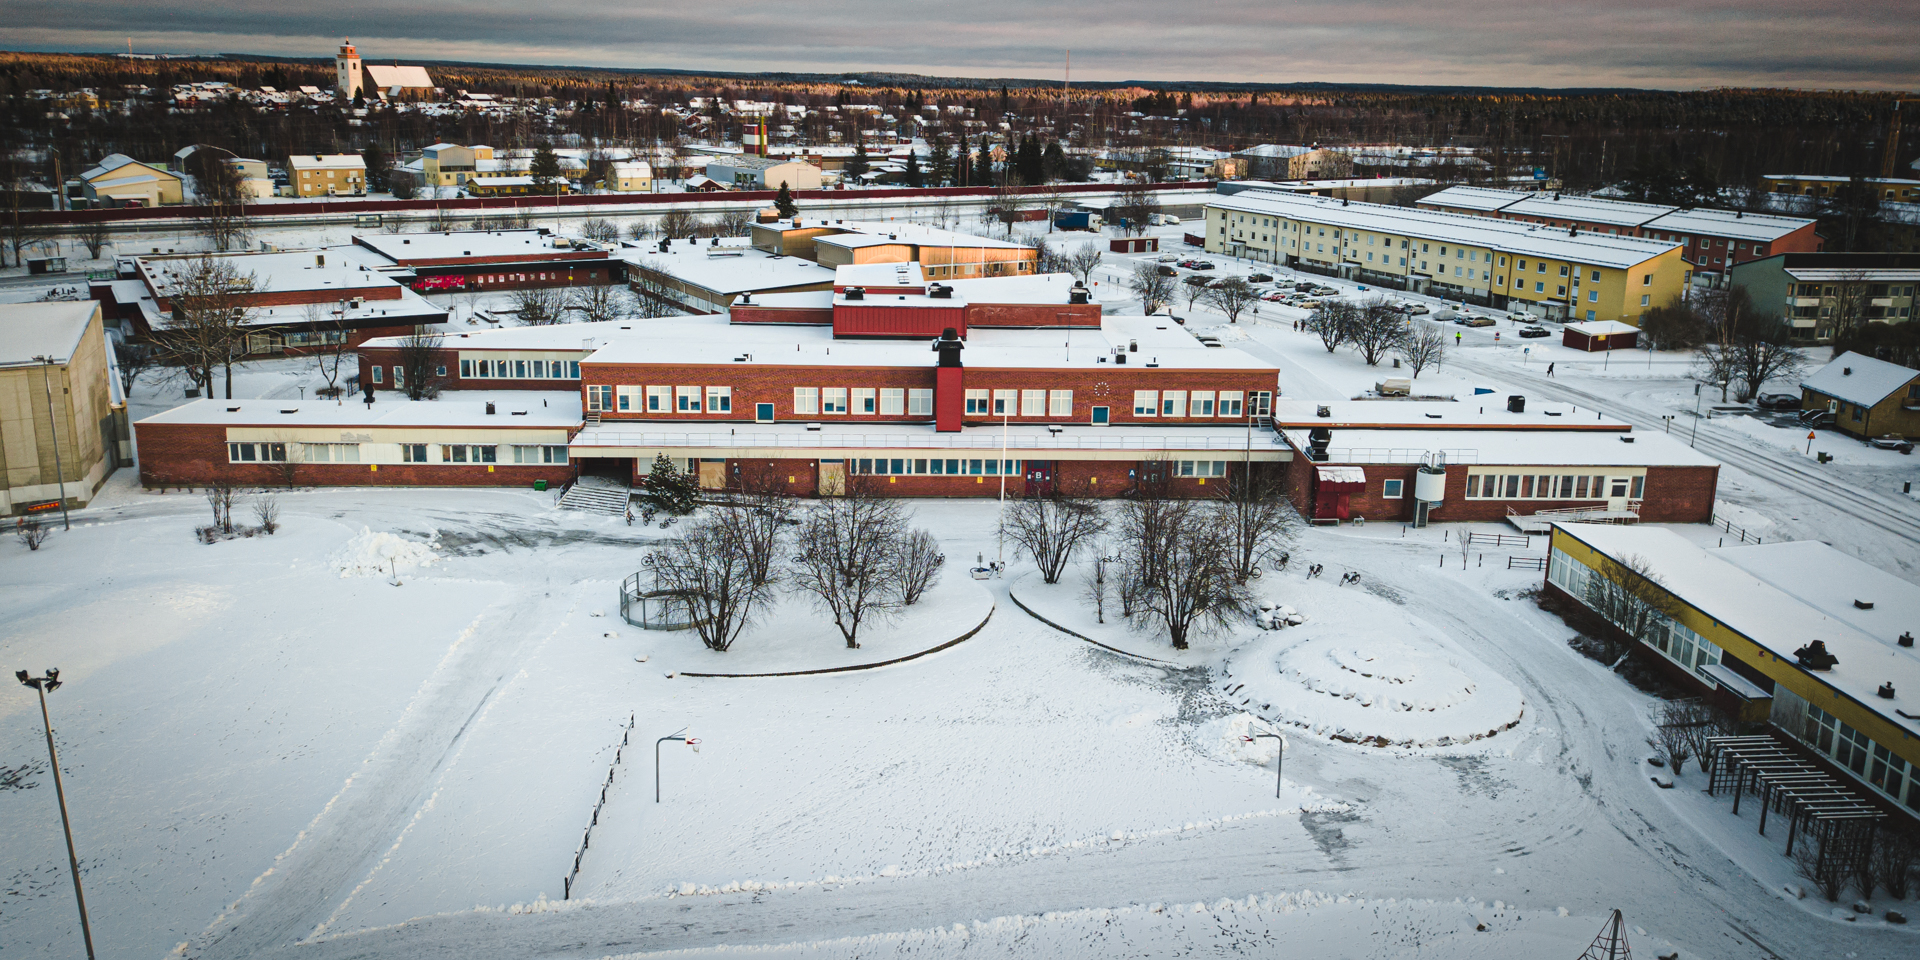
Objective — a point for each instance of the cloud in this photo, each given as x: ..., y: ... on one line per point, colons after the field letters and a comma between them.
x: 1677, y: 44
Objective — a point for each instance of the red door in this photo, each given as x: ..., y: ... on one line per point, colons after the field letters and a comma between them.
x: 1039, y: 478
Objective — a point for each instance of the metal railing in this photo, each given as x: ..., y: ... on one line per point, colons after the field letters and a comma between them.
x: 1395, y: 455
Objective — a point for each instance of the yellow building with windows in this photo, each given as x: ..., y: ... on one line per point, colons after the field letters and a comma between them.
x: 312, y: 175
x: 1560, y: 274
x: 1734, y: 622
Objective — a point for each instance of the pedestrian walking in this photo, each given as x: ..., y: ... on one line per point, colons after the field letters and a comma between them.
x: 1549, y: 369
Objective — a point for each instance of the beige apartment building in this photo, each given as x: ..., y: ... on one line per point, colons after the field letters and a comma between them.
x: 310, y: 175
x: 56, y: 387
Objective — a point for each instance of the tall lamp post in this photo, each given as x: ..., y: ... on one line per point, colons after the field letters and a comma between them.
x: 1279, y: 756
x: 45, y: 685
x: 53, y: 430
x: 693, y: 742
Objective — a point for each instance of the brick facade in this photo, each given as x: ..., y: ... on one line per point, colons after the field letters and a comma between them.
x: 1672, y: 495
x: 1097, y: 478
x: 185, y: 455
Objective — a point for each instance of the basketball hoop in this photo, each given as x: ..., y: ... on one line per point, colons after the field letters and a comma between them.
x: 694, y: 742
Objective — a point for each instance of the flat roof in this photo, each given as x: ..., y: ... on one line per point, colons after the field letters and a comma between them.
x: 1772, y: 609
x: 1487, y: 411
x: 543, y: 409
x: 860, y: 233
x: 1732, y: 224
x: 737, y: 161
x: 1597, y: 328
x: 1520, y: 448
x: 1650, y: 216
x: 29, y: 330
x: 1021, y: 440
x: 1031, y: 288
x: 1620, y: 213
x: 689, y: 340
x: 1508, y: 236
x: 331, y: 270
x: 557, y: 336
x: 878, y: 276
x: 405, y: 248
x: 739, y: 269
x: 1483, y: 199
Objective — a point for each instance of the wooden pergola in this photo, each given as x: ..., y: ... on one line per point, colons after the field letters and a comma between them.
x: 1841, y: 821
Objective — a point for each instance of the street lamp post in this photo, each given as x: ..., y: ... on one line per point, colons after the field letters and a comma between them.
x: 693, y: 742
x: 45, y: 685
x: 53, y: 430
x: 1279, y: 756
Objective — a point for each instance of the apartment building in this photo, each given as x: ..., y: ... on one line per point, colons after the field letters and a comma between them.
x: 311, y: 175
x: 1815, y: 292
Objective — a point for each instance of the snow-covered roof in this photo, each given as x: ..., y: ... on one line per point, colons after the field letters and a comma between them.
x: 735, y: 269
x: 1484, y: 412
x: 1481, y: 199
x: 1859, y: 379
x: 473, y: 245
x: 1730, y: 224
x: 500, y: 181
x: 110, y: 163
x: 1031, y: 288
x: 879, y: 276
x: 1647, y: 216
x: 1783, y: 600
x: 387, y: 77
x: 53, y: 330
x: 331, y: 161
x: 1519, y: 448
x: 1020, y: 440
x: 334, y: 271
x: 1553, y: 206
x: 583, y: 337
x: 1507, y: 236
x: 544, y: 410
x: 1602, y: 328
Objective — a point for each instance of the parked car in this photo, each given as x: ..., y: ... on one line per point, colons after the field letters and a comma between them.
x: 1532, y: 332
x: 1522, y: 318
x: 1778, y: 401
x: 1276, y: 296
x: 1167, y: 271
x: 1188, y: 263
x: 1167, y: 258
x: 1202, y: 265
x: 1304, y: 287
x: 1817, y: 418
x: 1259, y: 278
x: 1417, y: 309
x: 1892, y: 441
x: 1324, y: 291
x: 1473, y: 321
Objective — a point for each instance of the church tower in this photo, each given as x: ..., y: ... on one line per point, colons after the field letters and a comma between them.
x: 346, y: 65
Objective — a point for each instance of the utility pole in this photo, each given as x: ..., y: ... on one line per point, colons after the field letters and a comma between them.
x: 45, y: 685
x: 53, y: 429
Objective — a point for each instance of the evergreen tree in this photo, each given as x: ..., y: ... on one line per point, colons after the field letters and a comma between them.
x: 1029, y: 162
x: 1053, y: 162
x: 377, y: 163
x: 1004, y: 104
x: 983, y: 164
x: 940, y: 160
x: 669, y: 490
x: 545, y: 169
x: 857, y: 165
x: 961, y: 162
x: 913, y: 170
x: 783, y: 203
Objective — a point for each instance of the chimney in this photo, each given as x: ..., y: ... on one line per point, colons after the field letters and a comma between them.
x: 949, y: 387
x: 319, y: 259
x: 489, y: 408
x: 855, y: 293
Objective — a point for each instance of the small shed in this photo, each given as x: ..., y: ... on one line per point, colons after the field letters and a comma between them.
x: 1333, y: 488
x: 1596, y: 335
x: 1134, y: 245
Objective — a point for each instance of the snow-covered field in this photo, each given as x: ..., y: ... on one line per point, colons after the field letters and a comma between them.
x: 273, y: 748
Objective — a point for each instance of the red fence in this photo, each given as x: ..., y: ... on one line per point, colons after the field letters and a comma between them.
x: 123, y: 214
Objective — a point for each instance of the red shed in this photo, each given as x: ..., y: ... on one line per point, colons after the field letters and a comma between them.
x: 1596, y: 335
x: 1134, y: 245
x: 1333, y: 488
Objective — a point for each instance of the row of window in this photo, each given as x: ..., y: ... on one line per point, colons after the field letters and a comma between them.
x: 1525, y: 486
x: 603, y: 397
x: 905, y: 467
x: 1199, y: 403
x: 1029, y: 403
x: 1871, y: 761
x: 1673, y: 639
x: 518, y: 369
x: 409, y: 453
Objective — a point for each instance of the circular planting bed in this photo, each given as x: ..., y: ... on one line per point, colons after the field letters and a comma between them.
x: 1364, y: 684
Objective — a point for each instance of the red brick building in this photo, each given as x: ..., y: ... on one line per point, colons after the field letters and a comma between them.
x: 491, y: 260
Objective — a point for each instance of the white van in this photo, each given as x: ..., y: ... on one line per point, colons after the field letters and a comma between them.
x: 1163, y: 220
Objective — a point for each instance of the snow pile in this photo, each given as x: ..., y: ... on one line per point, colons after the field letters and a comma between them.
x: 1233, y: 738
x: 1379, y: 677
x: 378, y: 554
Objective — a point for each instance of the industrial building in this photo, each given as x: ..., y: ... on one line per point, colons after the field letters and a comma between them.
x: 62, y: 420
x: 489, y: 260
x: 941, y: 254
x: 1564, y: 274
x: 1443, y: 461
x: 1798, y: 634
x: 746, y: 172
x: 1712, y: 241
x: 121, y: 181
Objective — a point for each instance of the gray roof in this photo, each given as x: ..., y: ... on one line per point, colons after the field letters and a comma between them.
x: 1858, y: 378
x: 29, y: 330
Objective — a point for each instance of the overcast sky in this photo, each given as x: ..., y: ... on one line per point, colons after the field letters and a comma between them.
x: 1678, y: 44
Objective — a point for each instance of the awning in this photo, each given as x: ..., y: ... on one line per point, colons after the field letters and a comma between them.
x: 1734, y: 683
x: 1342, y: 475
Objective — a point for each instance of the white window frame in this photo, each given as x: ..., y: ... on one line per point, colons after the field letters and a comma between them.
x: 627, y: 399
x: 599, y: 397
x: 893, y: 401
x: 1230, y: 404
x: 659, y: 400
x: 979, y: 402
x: 920, y: 403
x: 865, y: 401
x: 1173, y: 403
x: 686, y: 400
x: 719, y: 399
x: 1060, y: 403
x: 833, y: 400
x: 1146, y: 403
x: 1200, y: 403
x: 1033, y: 403
x: 1392, y: 489
x: 1004, y: 402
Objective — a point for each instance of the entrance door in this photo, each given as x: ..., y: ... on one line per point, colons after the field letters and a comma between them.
x: 1039, y: 478
x: 713, y: 474
x: 833, y: 478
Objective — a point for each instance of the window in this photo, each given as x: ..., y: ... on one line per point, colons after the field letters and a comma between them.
x: 659, y: 399
x: 1201, y: 405
x: 719, y: 399
x: 573, y: 373
x: 686, y: 399
x: 864, y: 401
x: 628, y: 398
x: 333, y: 453
x: 1003, y: 402
x: 1593, y: 296
x: 1230, y: 403
x: 1201, y: 468
x: 468, y: 453
x: 376, y: 374
x: 1173, y: 403
x: 919, y: 403
x: 1033, y: 403
x: 977, y: 402
x: 1390, y: 489
x: 1646, y: 299
x: 399, y: 377
x: 893, y: 401
x: 1539, y: 287
x: 1101, y: 416
x: 833, y: 400
x: 1060, y: 403
x: 257, y: 452
x: 806, y: 400
x: 466, y: 369
x: 600, y: 396
x: 1146, y: 403
x: 533, y: 453
x: 413, y: 453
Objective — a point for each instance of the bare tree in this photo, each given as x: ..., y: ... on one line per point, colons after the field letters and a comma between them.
x: 1053, y: 257
x: 419, y: 354
x: 539, y: 306
x: 1700, y: 723
x: 679, y: 224
x: 223, y: 201
x: 1333, y: 321
x: 1758, y: 348
x: 601, y: 302
x: 641, y: 229
x: 266, y: 508
x: 1136, y: 207
x: 1254, y: 515
x: 1149, y: 286
x: 1828, y: 874
x: 95, y: 235
x: 442, y: 220
x: 133, y: 359
x: 1083, y: 261
x: 600, y: 229
x: 1670, y: 738
x: 1231, y: 296
x: 1628, y: 593
x: 31, y: 531
x: 918, y: 561
x: 331, y: 348
x: 734, y: 223
x: 848, y: 559
x: 221, y: 494
x: 761, y: 513
x: 1896, y: 850
x: 654, y: 296
x: 710, y: 568
x: 1179, y: 569
x: 210, y: 302
x: 1376, y: 330
x: 1194, y: 288
x: 1424, y: 347
x: 1849, y: 305
x: 1714, y: 364
x: 1097, y: 590
x: 1052, y: 529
